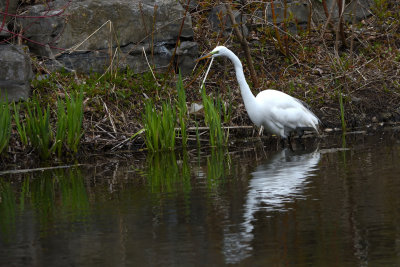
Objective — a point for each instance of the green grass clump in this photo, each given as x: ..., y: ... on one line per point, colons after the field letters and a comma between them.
x: 38, y: 128
x: 342, y: 112
x: 61, y: 126
x: 159, y: 127
x: 69, y: 123
x: 168, y: 123
x: 35, y: 130
x: 213, y: 120
x: 151, y: 125
x: 5, y: 126
x: 21, y: 129
x: 74, y: 118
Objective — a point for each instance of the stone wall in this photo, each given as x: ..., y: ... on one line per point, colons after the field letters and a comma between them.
x: 15, y: 72
x: 91, y: 34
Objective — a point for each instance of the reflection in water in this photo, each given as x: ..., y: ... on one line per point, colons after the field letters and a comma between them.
x: 53, y: 194
x: 213, y: 209
x: 165, y: 172
x: 216, y: 164
x: 7, y: 210
x: 272, y: 186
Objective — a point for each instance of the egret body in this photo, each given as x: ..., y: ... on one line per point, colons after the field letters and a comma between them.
x: 278, y: 113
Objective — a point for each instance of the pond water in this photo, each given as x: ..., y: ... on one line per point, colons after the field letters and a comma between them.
x: 319, y: 205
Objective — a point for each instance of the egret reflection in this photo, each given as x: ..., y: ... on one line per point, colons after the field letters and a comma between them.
x: 273, y: 185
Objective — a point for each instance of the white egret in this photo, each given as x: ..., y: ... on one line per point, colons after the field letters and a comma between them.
x: 278, y: 113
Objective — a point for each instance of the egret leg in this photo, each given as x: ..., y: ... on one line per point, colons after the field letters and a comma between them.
x: 282, y: 141
x: 290, y: 142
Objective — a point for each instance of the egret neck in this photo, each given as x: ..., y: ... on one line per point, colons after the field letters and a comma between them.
x: 249, y: 99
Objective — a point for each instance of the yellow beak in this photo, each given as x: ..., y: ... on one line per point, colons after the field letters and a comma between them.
x: 204, y: 57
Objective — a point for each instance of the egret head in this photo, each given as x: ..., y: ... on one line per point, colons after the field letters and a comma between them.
x: 216, y: 52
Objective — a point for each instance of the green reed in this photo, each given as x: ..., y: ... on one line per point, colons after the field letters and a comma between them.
x: 342, y: 112
x: 213, y: 120
x: 21, y: 128
x: 5, y: 126
x: 38, y: 128
x: 61, y: 128
x: 73, y: 121
x: 151, y: 124
x: 69, y: 123
x: 168, y: 123
x: 159, y: 127
x: 182, y: 109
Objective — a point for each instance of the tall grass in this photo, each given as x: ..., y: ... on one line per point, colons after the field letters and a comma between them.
x: 159, y: 127
x: 74, y: 118
x: 21, y: 129
x: 5, y: 126
x: 213, y: 120
x: 168, y: 122
x: 69, y: 123
x: 182, y: 109
x: 342, y: 112
x: 38, y: 128
x: 61, y: 125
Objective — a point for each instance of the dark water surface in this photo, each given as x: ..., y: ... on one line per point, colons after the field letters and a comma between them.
x: 315, y: 206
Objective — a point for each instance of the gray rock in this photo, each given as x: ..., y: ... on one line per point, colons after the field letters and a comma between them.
x: 88, y: 44
x: 133, y: 57
x: 192, y: 4
x: 11, y: 9
x: 359, y: 9
x: 15, y: 72
x: 218, y: 17
x: 300, y: 12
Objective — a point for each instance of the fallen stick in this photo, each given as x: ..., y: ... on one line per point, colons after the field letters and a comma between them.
x: 39, y: 169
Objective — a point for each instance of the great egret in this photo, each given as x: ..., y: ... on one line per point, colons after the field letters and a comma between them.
x: 275, y: 111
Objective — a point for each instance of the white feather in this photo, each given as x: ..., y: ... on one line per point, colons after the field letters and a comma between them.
x: 277, y: 112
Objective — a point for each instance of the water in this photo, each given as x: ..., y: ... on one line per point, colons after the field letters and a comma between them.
x: 321, y: 205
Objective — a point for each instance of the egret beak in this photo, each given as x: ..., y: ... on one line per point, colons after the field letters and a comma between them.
x: 204, y: 57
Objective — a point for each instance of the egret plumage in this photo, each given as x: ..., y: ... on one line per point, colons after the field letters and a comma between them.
x: 278, y: 113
